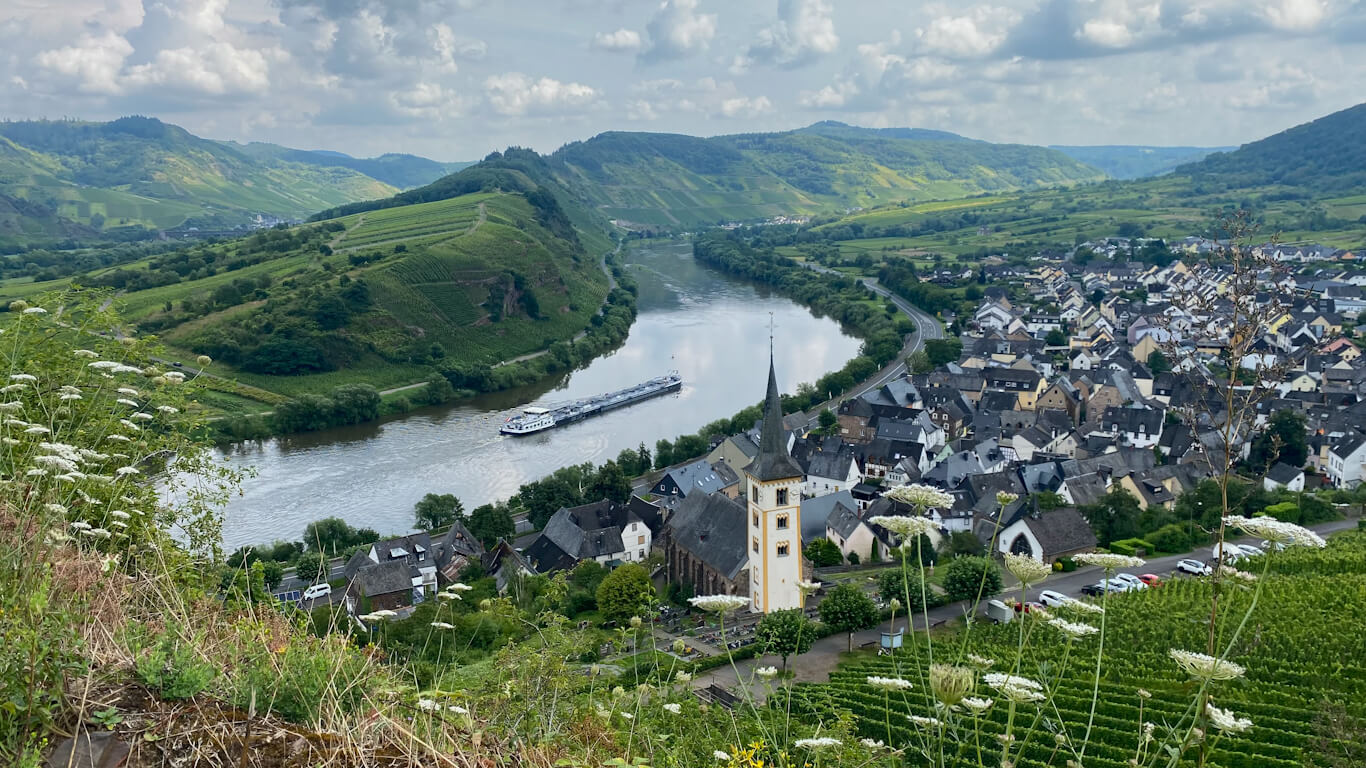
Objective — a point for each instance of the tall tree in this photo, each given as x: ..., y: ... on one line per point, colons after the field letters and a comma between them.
x: 437, y: 510
x: 967, y: 577
x: 847, y: 609
x: 625, y: 592
x: 311, y: 568
x: 786, y: 633
x: 1283, y: 440
x: 491, y: 522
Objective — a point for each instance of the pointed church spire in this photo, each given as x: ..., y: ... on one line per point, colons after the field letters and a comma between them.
x: 773, y: 461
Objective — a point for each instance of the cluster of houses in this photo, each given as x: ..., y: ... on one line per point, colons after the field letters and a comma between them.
x: 1018, y: 413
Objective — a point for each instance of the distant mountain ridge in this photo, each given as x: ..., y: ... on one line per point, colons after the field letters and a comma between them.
x: 1327, y: 154
x: 678, y: 181
x: 90, y: 181
x: 1122, y: 161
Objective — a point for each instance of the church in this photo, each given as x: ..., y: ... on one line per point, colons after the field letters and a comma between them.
x: 752, y: 545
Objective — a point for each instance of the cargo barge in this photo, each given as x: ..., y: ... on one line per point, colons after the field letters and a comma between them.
x: 535, y: 419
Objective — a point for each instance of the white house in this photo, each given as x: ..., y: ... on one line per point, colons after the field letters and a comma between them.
x: 830, y: 472
x: 1345, y: 460
x: 1282, y: 475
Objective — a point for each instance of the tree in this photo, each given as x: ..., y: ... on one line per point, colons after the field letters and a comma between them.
x: 1283, y: 440
x: 919, y: 362
x: 437, y: 510
x: 847, y: 609
x: 625, y: 592
x: 610, y: 483
x: 967, y: 577
x: 964, y: 543
x: 272, y: 573
x: 1115, y: 516
x: 1158, y: 362
x: 664, y: 453
x: 828, y: 420
x: 823, y: 553
x: 943, y: 351
x: 491, y: 522
x: 890, y: 585
x: 786, y: 633
x: 329, y: 535
x: 311, y: 568
x: 1055, y: 338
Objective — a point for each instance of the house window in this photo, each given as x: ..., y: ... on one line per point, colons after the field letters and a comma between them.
x: 640, y: 539
x: 756, y: 545
x: 754, y: 493
x: 641, y: 554
x: 783, y: 549
x: 782, y: 497
x: 756, y: 519
x: 782, y: 522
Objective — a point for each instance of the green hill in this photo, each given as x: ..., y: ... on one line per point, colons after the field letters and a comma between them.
x: 1328, y: 154
x: 89, y: 181
x: 1136, y: 162
x: 670, y: 180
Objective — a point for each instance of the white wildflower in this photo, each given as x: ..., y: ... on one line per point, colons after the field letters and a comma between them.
x: 118, y: 524
x: 33, y: 472
x: 1144, y: 694
x: 924, y: 722
x: 1006, y: 498
x: 126, y: 369
x: 12, y: 407
x: 56, y: 509
x: 130, y: 425
x: 1203, y: 667
x: 981, y: 662
x: 427, y: 705
x: 766, y: 672
x: 922, y: 497
x: 977, y: 704
x: 56, y: 462
x: 627, y: 715
x: 1082, y: 605
x: 119, y: 514
x: 37, y: 430
x: 1225, y: 721
x: 119, y: 438
x: 1108, y: 561
x: 22, y: 377
x: 908, y: 528
x: 175, y: 376
x: 895, y: 604
x: 1276, y: 531
x: 889, y: 683
x: 1073, y: 629
x: 104, y: 365
x: 71, y: 477
x: 950, y: 682
x: 80, y: 525
x: 1020, y: 690
x: 35, y: 311
x: 376, y: 616
x: 457, y: 709
x: 8, y: 388
x: 1026, y: 568
x: 442, y: 625
x: 167, y: 409
x: 719, y: 603
x: 459, y: 587
x: 127, y: 471
x: 872, y: 743
x: 127, y: 391
x: 673, y: 708
x: 719, y: 755
x: 13, y: 422
x: 9, y: 441
x: 90, y: 353
x: 448, y: 596
x: 808, y: 587
x: 817, y: 743
x: 1230, y: 572
x: 1149, y: 728
x: 682, y: 677
x: 142, y: 416
x: 70, y: 396
x: 98, y: 533
x: 127, y: 402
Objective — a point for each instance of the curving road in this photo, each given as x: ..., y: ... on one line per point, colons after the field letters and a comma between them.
x: 926, y: 327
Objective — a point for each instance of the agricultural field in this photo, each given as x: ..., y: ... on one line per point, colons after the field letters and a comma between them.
x: 1304, y: 689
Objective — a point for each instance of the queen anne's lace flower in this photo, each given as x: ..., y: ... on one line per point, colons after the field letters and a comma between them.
x: 817, y: 743
x: 924, y: 722
x: 977, y: 704
x: 12, y: 407
x: 1225, y: 721
x: 119, y: 438
x: 766, y: 672
x: 1020, y: 690
x: 682, y: 677
x: 1230, y: 572
x: 377, y: 616
x: 37, y: 430
x: 1082, y: 605
x: 981, y: 662
x: 22, y: 377
x: 908, y: 528
x: 1073, y: 629
x: 1026, y: 568
x: 166, y: 409
x: 1005, y: 498
x: 457, y: 709
x: 127, y: 402
x: 1108, y: 561
x: 90, y: 353
x: 808, y: 587
x: 104, y: 365
x: 427, y: 705
x: 1203, y: 667
x: 872, y: 743
x: 719, y: 603
x: 127, y: 391
x: 443, y: 625
x: 1276, y: 531
x: 448, y: 596
x: 922, y: 497
x: 673, y: 708
x: 127, y: 471
x: 889, y: 683
x: 719, y: 755
x: 35, y: 311
x: 950, y: 683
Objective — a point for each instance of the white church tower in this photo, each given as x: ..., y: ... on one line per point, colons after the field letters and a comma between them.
x: 774, y: 483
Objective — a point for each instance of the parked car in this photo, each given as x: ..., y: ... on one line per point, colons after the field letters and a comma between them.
x: 1194, y: 567
x: 1227, y: 553
x: 999, y: 612
x: 1027, y: 607
x: 1131, y: 581
x: 317, y: 590
x: 1151, y: 579
x: 1102, y: 586
x: 1053, y: 599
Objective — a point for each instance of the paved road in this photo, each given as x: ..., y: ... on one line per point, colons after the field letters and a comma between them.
x: 825, y: 654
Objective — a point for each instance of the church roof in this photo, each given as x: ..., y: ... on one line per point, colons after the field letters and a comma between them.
x: 773, y: 461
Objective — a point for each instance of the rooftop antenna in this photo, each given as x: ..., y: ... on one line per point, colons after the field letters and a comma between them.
x: 770, y: 335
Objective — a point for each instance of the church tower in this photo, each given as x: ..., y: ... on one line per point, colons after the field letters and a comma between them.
x: 774, y: 483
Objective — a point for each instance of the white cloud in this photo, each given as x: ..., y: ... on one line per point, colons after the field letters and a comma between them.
x: 214, y: 69
x: 1106, y: 33
x: 1295, y: 15
x: 803, y: 32
x: 745, y: 106
x: 430, y: 101
x: 830, y: 97
x: 677, y: 31
x: 978, y: 32
x: 94, y: 62
x: 620, y: 41
x: 514, y: 93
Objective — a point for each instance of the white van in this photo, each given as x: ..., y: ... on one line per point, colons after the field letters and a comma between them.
x: 317, y: 590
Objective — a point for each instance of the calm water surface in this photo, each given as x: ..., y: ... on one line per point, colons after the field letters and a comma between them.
x: 711, y: 328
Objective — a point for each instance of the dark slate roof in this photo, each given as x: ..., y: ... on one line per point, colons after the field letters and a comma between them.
x: 579, y: 533
x: 1283, y: 473
x: 1134, y: 420
x: 1061, y: 530
x: 384, y: 578
x: 816, y: 510
x: 713, y: 528
x: 843, y: 521
x: 458, y: 541
x: 1086, y: 489
x: 773, y: 461
x: 699, y: 476
x: 545, y: 556
x: 647, y: 512
x: 834, y: 465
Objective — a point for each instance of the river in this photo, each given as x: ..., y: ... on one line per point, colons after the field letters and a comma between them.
x: 710, y: 327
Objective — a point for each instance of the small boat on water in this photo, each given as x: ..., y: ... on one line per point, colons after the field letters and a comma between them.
x: 537, y: 419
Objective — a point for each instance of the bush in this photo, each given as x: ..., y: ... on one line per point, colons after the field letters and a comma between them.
x: 967, y: 576
x: 1170, y: 538
x: 891, y: 585
x: 1131, y: 547
x: 172, y: 668
x: 823, y: 553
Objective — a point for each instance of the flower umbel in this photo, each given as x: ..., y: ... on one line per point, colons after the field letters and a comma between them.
x: 719, y: 603
x: 1026, y: 568
x: 1203, y: 667
x: 1109, y: 561
x: 922, y: 497
x: 951, y: 683
x: 889, y: 683
x: 1225, y: 721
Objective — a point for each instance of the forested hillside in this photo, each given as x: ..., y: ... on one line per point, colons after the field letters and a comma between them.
x: 95, y: 182
x: 676, y: 181
x: 1326, y: 155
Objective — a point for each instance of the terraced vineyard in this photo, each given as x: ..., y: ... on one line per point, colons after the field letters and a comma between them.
x: 443, y: 217
x: 1303, y: 649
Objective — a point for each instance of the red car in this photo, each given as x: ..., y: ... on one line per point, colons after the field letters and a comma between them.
x: 1151, y: 579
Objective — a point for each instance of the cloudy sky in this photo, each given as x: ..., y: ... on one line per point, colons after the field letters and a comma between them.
x: 453, y: 79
